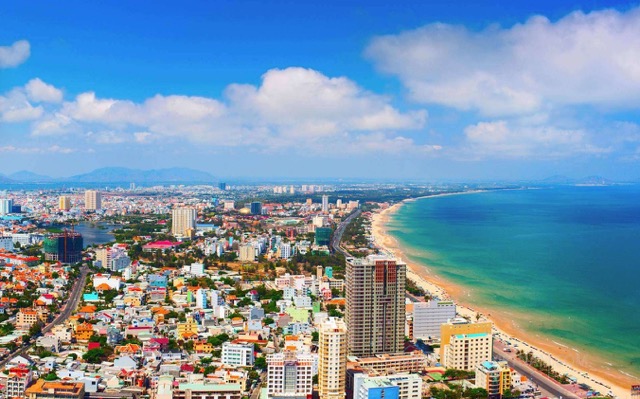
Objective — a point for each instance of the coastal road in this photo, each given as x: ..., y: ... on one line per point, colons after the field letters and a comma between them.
x: 70, y: 306
x: 547, y: 385
x: 337, y: 235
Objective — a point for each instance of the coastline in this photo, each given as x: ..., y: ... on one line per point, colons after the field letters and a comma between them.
x: 563, y: 358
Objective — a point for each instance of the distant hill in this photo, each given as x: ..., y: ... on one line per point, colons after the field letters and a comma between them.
x: 118, y: 175
x: 558, y: 179
x: 5, y: 179
x: 594, y: 180
x: 26, y: 176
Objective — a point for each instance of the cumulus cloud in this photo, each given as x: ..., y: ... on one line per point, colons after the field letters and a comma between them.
x: 15, y: 54
x: 39, y: 91
x: 15, y: 107
x: 509, y: 139
x: 580, y: 59
x: 290, y: 108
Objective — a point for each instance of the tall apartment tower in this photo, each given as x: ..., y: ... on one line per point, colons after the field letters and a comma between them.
x: 92, y: 200
x: 183, y: 219
x: 325, y: 203
x: 64, y: 203
x: 375, y: 312
x: 332, y: 359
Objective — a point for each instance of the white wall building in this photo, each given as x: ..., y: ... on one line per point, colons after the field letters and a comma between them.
x: 429, y: 316
x: 237, y: 354
x: 289, y: 375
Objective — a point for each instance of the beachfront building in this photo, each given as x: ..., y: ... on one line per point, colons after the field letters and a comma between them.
x: 467, y: 351
x: 375, y: 305
x: 495, y: 377
x: 460, y: 326
x: 429, y: 316
x: 332, y: 359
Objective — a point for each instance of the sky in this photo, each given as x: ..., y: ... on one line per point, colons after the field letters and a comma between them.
x: 420, y: 90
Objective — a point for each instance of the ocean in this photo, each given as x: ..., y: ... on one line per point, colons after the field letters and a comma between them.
x: 563, y: 262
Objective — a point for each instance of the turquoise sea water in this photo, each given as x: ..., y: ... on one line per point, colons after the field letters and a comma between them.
x: 565, y: 261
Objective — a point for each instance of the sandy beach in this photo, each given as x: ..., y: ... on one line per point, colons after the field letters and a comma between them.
x: 564, y: 359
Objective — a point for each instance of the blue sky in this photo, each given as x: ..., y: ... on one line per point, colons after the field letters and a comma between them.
x: 420, y: 90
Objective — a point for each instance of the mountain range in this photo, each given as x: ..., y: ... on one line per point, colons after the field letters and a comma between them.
x: 116, y: 175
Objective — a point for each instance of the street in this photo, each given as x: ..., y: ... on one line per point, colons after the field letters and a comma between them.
x: 548, y: 386
x: 337, y: 235
x: 71, y: 304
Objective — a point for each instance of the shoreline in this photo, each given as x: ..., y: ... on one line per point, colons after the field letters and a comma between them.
x: 564, y: 359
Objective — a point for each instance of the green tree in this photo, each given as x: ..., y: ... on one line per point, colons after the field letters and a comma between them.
x: 260, y: 363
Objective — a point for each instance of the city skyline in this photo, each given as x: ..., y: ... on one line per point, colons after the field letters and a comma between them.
x: 236, y: 89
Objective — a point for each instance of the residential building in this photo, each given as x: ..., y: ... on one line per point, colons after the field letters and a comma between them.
x: 64, y: 203
x: 55, y: 390
x: 377, y: 389
x: 17, y: 382
x: 183, y: 219
x: 375, y: 305
x: 409, y: 385
x: 332, y: 359
x: 6, y: 244
x: 467, y: 351
x: 429, y: 316
x: 289, y: 375
x: 92, y: 200
x: 460, y: 326
x: 495, y: 377
x: 26, y: 318
x: 237, y: 354
x: 411, y: 362
x: 325, y: 203
x: 6, y: 206
x: 203, y: 390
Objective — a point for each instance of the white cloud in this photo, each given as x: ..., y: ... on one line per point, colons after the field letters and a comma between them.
x: 15, y: 107
x: 38, y: 150
x: 503, y: 139
x: 292, y: 107
x: 39, y: 91
x: 14, y: 55
x: 529, y: 67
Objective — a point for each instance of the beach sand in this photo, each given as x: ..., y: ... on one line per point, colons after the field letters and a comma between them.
x: 563, y: 359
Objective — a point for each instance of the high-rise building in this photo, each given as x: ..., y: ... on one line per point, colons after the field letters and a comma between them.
x: 323, y: 236
x: 332, y: 359
x: 325, y: 203
x: 429, y: 316
x: 256, y: 208
x: 375, y: 305
x: 65, y: 247
x: 6, y: 206
x: 183, y: 219
x: 289, y: 375
x: 92, y: 200
x: 222, y: 186
x: 64, y: 203
x: 495, y: 377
